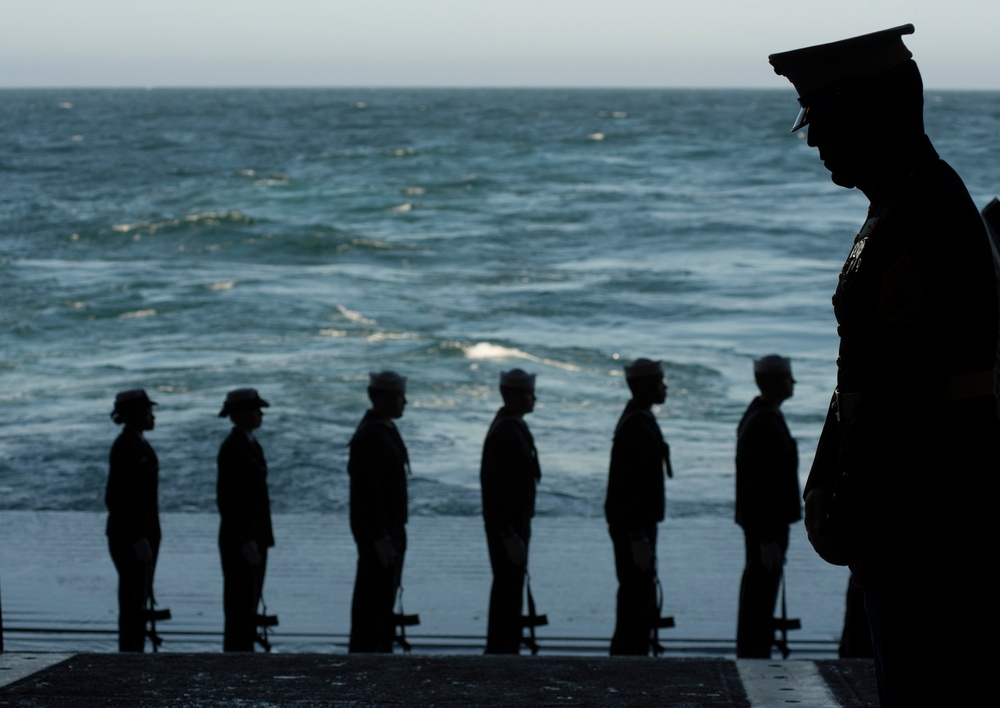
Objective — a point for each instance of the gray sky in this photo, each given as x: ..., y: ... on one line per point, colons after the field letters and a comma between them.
x: 655, y: 43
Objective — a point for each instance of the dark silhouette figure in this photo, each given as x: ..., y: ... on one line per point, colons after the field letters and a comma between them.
x: 767, y: 501
x: 133, y: 515
x: 912, y: 434
x: 378, y: 466
x: 508, y: 477
x: 245, y: 531
x: 635, y: 504
x: 856, y: 637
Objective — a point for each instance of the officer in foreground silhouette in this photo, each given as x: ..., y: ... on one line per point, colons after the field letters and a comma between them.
x: 897, y: 490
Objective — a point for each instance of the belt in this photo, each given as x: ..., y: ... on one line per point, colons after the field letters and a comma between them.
x: 959, y: 387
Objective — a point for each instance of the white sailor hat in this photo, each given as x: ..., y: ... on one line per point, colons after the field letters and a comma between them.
x: 642, y: 368
x: 517, y: 378
x: 242, y: 398
x: 387, y: 381
x: 772, y: 365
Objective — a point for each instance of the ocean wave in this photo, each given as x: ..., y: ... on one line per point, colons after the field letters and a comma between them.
x: 192, y: 221
x: 267, y: 179
x: 356, y: 317
x: 137, y: 314
x: 485, y: 351
x: 388, y: 336
x: 361, y: 242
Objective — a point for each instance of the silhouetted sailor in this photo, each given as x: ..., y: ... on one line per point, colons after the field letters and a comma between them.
x: 897, y: 487
x: 133, y: 514
x: 635, y: 504
x: 378, y: 466
x: 245, y: 531
x: 508, y: 476
x: 767, y: 501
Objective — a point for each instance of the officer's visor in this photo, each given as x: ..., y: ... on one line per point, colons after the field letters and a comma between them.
x: 802, y: 119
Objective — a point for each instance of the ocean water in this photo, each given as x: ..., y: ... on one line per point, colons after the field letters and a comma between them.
x: 194, y: 241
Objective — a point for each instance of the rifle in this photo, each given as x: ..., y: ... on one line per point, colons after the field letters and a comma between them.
x: 783, y: 624
x: 401, y: 621
x: 660, y: 622
x: 152, y: 615
x: 532, y: 619
x: 262, y: 620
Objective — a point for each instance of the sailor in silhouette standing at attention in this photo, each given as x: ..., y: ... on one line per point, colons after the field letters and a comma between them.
x: 508, y: 477
x: 245, y: 531
x: 378, y: 466
x: 634, y: 506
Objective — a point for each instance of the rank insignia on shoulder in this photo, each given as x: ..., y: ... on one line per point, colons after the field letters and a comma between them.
x: 860, y: 241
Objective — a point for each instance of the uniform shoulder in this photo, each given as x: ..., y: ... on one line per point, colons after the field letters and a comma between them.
x: 760, y: 413
x: 127, y: 443
x: 636, y: 419
x: 371, y: 431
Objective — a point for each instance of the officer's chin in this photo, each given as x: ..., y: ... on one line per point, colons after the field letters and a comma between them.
x: 842, y: 180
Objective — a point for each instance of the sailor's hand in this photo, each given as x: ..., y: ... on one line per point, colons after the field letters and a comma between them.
x: 143, y: 550
x: 386, y: 553
x: 819, y: 529
x: 250, y: 552
x: 642, y: 553
x: 771, y: 556
x: 517, y: 554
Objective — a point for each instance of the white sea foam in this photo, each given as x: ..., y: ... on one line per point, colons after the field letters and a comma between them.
x: 137, y: 314
x: 388, y: 336
x: 205, y: 218
x: 352, y: 316
x: 496, y: 352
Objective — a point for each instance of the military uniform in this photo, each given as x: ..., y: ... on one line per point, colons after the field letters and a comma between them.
x: 917, y: 314
x: 245, y: 511
x: 634, y: 505
x: 133, y: 514
x: 767, y: 501
x: 378, y: 466
x: 508, y: 477
x: 912, y: 433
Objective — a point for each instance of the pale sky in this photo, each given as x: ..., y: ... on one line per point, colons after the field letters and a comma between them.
x: 470, y: 43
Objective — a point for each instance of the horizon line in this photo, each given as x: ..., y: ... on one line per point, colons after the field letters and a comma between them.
x: 422, y: 87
